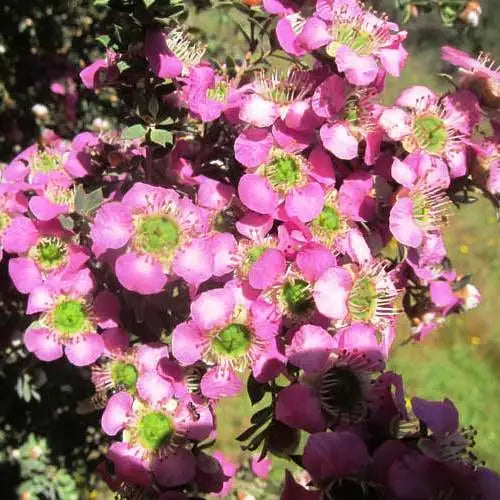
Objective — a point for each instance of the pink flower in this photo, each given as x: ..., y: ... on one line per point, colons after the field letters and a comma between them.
x: 171, y: 54
x: 159, y: 232
x: 69, y: 319
x: 421, y: 206
x: 361, y: 43
x: 336, y: 389
x: 357, y: 293
x: 155, y: 430
x: 229, y: 469
x: 352, y: 118
x: 284, y: 179
x: 261, y: 468
x: 433, y: 127
x: 229, y: 332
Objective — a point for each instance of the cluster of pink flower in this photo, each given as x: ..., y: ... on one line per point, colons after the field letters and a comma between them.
x: 287, y: 263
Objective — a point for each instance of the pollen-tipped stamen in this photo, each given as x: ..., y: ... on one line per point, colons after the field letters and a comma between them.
x: 185, y: 49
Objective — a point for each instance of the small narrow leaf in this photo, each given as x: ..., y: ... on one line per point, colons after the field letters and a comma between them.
x: 134, y: 132
x: 148, y: 3
x: 122, y: 66
x: 104, y: 40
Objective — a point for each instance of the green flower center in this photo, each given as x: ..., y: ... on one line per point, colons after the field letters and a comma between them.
x: 255, y: 253
x: 340, y: 389
x: 297, y: 295
x: 154, y: 430
x: 233, y: 341
x: 284, y: 172
x: 352, y: 110
x: 124, y: 375
x: 359, y: 41
x: 157, y: 233
x: 69, y: 317
x: 219, y: 92
x: 430, y: 133
x: 50, y: 253
x: 363, y: 300
x: 46, y: 162
x: 328, y: 219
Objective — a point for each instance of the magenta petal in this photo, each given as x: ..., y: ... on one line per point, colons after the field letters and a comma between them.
x: 199, y: 425
x: 313, y: 260
x: 213, y: 309
x: 90, y: 74
x: 287, y: 37
x: 44, y: 209
x: 402, y: 224
x: 20, y: 235
x: 442, y: 294
x: 306, y: 202
x: 310, y: 348
x: 404, y: 173
x: 187, y: 343
x: 42, y: 344
x: 329, y: 96
x: 441, y: 417
x: 115, y: 340
x: 218, y: 383
x: 25, y: 274
x: 129, y: 467
x: 254, y: 226
x: 107, y: 309
x: 175, y: 469
x: 298, y: 407
x: 40, y: 299
x: 314, y: 34
x: 291, y: 140
x: 267, y: 268
x: 331, y: 455
x: 194, y: 262
x: 140, y: 273
x: 116, y: 414
x: 338, y: 139
x: 85, y: 349
x: 162, y: 62
x: 261, y: 468
x: 154, y: 389
x: 331, y: 292
x: 257, y: 194
x: 252, y: 147
x: 321, y: 166
x: 294, y: 491
x: 358, y: 336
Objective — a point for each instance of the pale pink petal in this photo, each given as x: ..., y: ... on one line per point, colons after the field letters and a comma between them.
x: 140, y: 273
x: 188, y: 343
x: 396, y: 123
x: 25, y: 274
x: 402, y: 224
x: 85, y: 349
x: 267, y: 268
x: 252, y: 147
x: 359, y: 70
x: 306, y: 202
x: 322, y: 169
x: 42, y: 344
x: 194, y: 262
x: 20, y: 235
x: 116, y: 414
x: 224, y: 249
x: 213, y: 309
x: 217, y: 383
x: 258, y: 111
x: 338, y: 139
x: 331, y: 292
x: 257, y: 194
x: 254, y: 226
x: 149, y: 355
x: 417, y: 97
x: 40, y: 299
x: 313, y: 260
x: 310, y: 348
x: 403, y: 173
x: 154, y: 389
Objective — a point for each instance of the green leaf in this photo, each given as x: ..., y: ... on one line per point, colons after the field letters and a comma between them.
x: 161, y: 136
x: 85, y: 203
x: 122, y: 66
x: 256, y: 391
x: 66, y: 222
x: 101, y: 2
x: 148, y: 3
x: 104, y: 40
x: 134, y: 132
